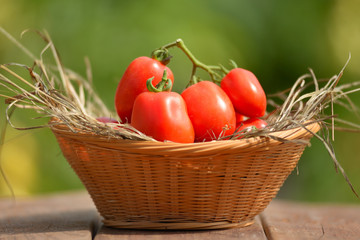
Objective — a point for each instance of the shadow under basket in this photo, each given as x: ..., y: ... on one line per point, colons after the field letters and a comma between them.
x: 158, y: 185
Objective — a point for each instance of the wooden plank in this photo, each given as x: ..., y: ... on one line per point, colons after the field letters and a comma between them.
x: 73, y: 216
x: 252, y: 232
x: 65, y: 216
x: 289, y: 220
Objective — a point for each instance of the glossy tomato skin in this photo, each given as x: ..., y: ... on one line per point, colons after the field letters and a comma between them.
x: 210, y: 111
x: 163, y: 116
x: 250, y: 123
x: 133, y: 82
x: 239, y: 117
x: 245, y: 92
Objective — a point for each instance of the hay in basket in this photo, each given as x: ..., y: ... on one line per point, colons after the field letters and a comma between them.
x: 138, y: 182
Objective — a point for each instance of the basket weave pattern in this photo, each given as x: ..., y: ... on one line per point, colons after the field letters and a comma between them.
x: 157, y: 185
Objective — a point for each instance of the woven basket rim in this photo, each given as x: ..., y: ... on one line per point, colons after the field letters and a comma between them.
x: 169, y: 148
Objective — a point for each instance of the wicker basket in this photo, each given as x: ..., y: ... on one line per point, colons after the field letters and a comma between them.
x: 157, y: 185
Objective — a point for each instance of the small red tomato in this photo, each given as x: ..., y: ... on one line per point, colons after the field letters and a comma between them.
x: 245, y: 92
x: 163, y: 116
x: 133, y: 82
x: 251, y: 123
x: 107, y: 120
x: 210, y: 110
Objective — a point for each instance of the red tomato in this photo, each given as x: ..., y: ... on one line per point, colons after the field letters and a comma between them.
x: 239, y: 117
x: 210, y: 110
x: 163, y: 116
x: 133, y: 82
x: 245, y: 92
x: 251, y: 123
x: 107, y: 120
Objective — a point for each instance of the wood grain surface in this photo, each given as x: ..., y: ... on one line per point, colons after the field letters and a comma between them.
x: 74, y: 216
x: 65, y: 216
x: 289, y: 220
x: 253, y: 232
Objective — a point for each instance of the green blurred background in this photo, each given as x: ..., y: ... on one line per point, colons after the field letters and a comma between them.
x: 277, y: 40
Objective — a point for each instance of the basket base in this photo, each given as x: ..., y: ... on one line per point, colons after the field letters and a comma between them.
x: 176, y: 225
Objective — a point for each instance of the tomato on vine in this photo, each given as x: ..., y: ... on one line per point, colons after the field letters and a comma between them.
x: 210, y: 110
x: 133, y: 82
x: 245, y: 92
x: 162, y: 114
x: 214, y: 111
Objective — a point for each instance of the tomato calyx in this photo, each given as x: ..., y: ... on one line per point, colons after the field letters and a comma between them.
x: 164, y: 85
x: 162, y: 55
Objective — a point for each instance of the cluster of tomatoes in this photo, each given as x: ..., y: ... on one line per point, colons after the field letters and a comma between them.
x: 204, y: 111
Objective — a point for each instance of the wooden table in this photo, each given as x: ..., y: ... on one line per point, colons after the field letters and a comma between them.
x: 73, y: 216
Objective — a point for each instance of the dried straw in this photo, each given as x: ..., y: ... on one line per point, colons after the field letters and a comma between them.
x: 55, y: 91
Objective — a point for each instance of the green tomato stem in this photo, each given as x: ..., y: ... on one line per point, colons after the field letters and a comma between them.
x: 211, y: 70
x: 163, y: 86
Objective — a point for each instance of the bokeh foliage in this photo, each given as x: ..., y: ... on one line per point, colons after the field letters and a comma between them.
x: 277, y: 40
